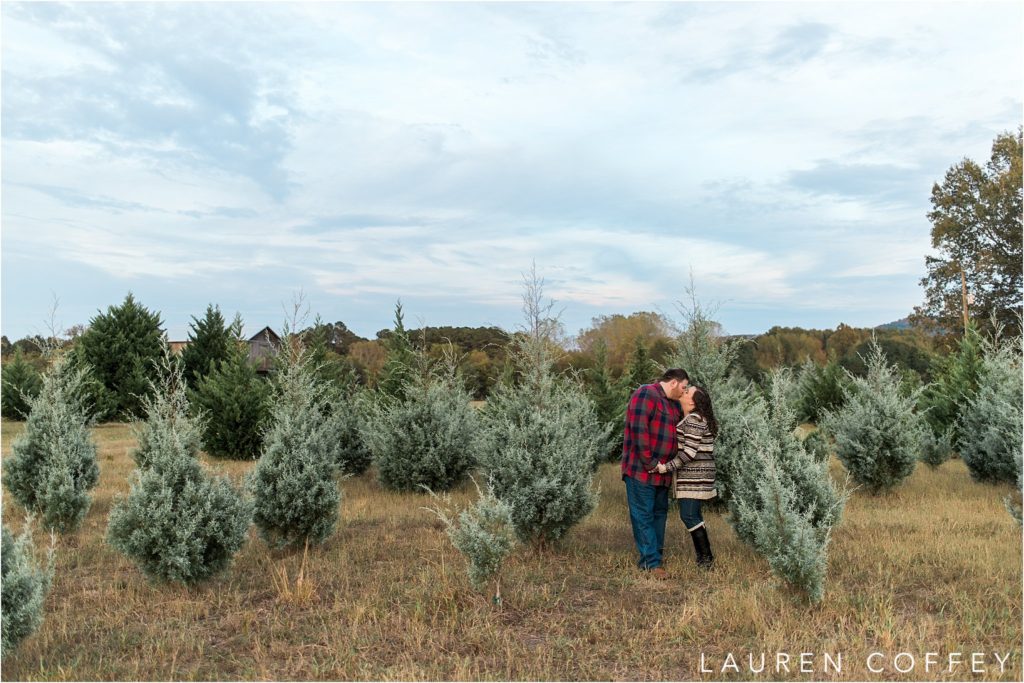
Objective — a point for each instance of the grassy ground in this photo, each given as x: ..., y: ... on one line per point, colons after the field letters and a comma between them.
x: 933, y: 567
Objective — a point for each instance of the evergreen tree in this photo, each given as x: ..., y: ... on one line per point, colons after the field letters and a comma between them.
x: 177, y: 523
x: 821, y: 389
x: 991, y: 422
x: 640, y: 369
x: 610, y: 399
x: 783, y: 501
x: 21, y: 383
x: 1014, y: 503
x: 400, y: 366
x: 429, y: 437
x: 818, y: 445
x: 236, y: 401
x: 709, y: 360
x: 954, y: 385
x: 121, y: 347
x: 543, y: 435
x: 484, y: 534
x: 936, y: 450
x: 346, y: 416
x: 296, y: 493
x: 24, y: 587
x: 52, y: 465
x: 210, y: 342
x: 877, y: 431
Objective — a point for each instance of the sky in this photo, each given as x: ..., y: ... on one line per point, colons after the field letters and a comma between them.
x: 781, y: 155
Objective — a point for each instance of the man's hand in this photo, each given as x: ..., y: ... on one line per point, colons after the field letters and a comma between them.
x: 662, y: 469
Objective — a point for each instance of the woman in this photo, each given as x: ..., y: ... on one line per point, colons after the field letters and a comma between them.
x: 693, y: 469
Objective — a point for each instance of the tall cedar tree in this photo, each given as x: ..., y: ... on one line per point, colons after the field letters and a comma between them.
x: 20, y: 384
x: 977, y: 227
x: 401, y: 362
x: 122, y: 348
x: 177, y: 523
x: 210, y: 342
x: 24, y: 586
x: 609, y: 397
x: 878, y: 432
x: 820, y: 389
x: 640, y: 369
x: 543, y: 435
x: 236, y: 402
x: 294, y: 482
x: 52, y: 465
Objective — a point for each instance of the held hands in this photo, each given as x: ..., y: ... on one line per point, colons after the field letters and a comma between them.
x: 660, y: 469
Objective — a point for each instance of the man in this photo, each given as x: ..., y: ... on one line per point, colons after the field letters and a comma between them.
x: 649, y: 439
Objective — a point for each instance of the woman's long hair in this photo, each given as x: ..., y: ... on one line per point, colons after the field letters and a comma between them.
x: 702, y: 406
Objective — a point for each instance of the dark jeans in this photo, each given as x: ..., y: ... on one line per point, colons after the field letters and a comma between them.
x: 689, y: 512
x: 648, y: 510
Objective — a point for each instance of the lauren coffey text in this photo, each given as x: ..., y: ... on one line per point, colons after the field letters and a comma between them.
x: 770, y: 663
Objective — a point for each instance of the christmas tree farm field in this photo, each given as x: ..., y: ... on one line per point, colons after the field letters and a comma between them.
x: 933, y: 567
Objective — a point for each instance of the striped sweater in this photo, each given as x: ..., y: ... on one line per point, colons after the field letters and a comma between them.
x: 693, y: 469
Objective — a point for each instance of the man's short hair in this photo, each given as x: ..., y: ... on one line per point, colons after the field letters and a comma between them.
x: 674, y: 373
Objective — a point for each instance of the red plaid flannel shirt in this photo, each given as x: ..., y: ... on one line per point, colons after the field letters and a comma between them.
x: 650, y: 434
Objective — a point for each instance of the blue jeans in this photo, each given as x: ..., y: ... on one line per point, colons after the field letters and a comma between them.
x: 689, y: 512
x: 648, y: 510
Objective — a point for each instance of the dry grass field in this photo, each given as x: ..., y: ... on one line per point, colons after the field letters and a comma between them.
x: 933, y: 567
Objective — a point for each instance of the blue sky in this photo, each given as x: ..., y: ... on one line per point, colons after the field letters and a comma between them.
x: 237, y: 153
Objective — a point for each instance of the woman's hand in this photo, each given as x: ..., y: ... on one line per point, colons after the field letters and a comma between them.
x: 662, y: 469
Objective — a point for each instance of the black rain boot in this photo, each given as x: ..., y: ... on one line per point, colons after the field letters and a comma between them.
x: 702, y: 547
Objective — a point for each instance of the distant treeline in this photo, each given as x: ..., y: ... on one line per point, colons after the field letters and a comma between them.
x: 482, y: 350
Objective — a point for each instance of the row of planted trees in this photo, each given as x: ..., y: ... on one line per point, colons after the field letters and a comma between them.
x: 538, y: 442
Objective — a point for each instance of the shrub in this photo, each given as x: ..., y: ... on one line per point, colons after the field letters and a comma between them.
x: 877, y: 431
x: 954, y: 385
x: 21, y: 383
x: 348, y: 449
x: 818, y: 445
x: 484, y: 534
x: 52, y: 465
x: 25, y: 585
x: 820, y: 389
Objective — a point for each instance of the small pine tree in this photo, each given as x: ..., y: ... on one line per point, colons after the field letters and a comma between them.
x: 991, y: 423
x: 400, y: 367
x: 21, y: 382
x: 877, y: 431
x: 484, y: 534
x: 710, y: 362
x: 954, y: 385
x: 820, y: 389
x: 24, y: 587
x: 296, y: 493
x: 177, y: 523
x: 640, y: 370
x: 236, y: 401
x: 121, y: 347
x: 936, y: 449
x: 428, y: 438
x: 347, y: 407
x: 52, y: 465
x: 609, y: 399
x: 210, y: 342
x: 817, y: 444
x: 543, y: 434
x: 770, y: 514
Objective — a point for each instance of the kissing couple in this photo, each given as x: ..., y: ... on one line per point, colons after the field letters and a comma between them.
x: 668, y: 451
